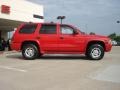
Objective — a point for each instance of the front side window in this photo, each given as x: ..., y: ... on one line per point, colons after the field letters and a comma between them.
x: 66, y: 30
x: 28, y: 29
x: 48, y: 29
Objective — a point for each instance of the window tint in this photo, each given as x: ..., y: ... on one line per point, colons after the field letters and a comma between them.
x: 66, y: 30
x: 28, y: 29
x: 48, y: 29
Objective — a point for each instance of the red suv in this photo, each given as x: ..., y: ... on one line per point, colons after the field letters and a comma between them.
x: 36, y: 39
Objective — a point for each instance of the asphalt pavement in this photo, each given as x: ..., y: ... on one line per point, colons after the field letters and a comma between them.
x: 60, y: 72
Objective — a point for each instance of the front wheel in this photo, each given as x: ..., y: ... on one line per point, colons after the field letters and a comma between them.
x: 95, y: 52
x: 30, y: 51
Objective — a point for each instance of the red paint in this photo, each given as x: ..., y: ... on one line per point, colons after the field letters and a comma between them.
x: 58, y: 43
x: 5, y: 9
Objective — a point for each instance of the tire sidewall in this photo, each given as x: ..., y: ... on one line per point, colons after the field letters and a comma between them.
x: 35, y: 51
x: 93, y: 47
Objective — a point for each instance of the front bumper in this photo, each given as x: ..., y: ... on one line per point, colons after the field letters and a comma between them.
x: 108, y: 47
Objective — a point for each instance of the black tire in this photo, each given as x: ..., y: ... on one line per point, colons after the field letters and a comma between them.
x: 2, y: 48
x: 95, y: 52
x: 40, y: 55
x: 30, y: 51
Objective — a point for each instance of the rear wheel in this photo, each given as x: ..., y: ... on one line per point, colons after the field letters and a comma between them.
x: 95, y: 52
x: 30, y: 51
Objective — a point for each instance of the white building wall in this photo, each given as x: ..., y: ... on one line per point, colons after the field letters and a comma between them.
x: 22, y: 10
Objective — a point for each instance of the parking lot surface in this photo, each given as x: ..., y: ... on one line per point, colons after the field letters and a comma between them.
x: 60, y: 72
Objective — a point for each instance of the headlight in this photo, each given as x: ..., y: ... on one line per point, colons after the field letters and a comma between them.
x: 110, y: 42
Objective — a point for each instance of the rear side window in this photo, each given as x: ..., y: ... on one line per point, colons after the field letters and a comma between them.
x: 48, y: 29
x: 28, y: 29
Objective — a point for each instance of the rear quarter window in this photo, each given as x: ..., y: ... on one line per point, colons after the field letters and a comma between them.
x: 28, y: 29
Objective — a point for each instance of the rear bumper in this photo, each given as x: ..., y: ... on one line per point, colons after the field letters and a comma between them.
x: 15, y: 46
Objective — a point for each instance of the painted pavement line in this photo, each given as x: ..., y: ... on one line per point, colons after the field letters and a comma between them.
x: 14, y: 69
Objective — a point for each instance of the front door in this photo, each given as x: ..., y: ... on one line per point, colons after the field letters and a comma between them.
x: 68, y: 40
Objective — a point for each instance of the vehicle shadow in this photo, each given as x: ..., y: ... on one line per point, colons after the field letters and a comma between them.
x: 64, y: 57
x: 52, y: 57
x: 15, y: 57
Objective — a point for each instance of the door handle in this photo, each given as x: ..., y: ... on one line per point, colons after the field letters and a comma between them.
x: 61, y: 37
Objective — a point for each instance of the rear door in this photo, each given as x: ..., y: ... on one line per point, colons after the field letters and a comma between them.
x: 48, y: 37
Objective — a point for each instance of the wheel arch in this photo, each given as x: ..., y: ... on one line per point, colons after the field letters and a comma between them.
x: 95, y: 42
x: 31, y: 42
